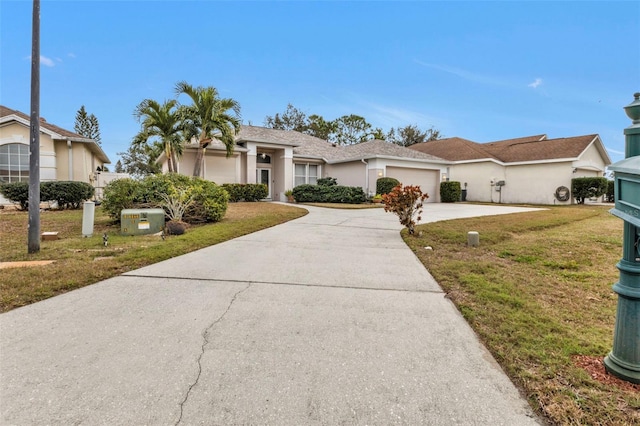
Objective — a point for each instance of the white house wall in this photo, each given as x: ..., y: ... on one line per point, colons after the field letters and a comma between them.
x: 478, y: 177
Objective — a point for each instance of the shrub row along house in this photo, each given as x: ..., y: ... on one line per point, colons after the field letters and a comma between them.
x: 524, y: 170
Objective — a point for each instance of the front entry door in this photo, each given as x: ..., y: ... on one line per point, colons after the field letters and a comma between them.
x: 264, y: 176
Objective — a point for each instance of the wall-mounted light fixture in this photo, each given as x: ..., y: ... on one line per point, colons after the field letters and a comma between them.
x: 380, y: 173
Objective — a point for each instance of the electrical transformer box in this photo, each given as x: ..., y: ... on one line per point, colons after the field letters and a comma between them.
x: 141, y: 221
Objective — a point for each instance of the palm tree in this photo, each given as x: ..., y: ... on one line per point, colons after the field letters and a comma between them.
x: 208, y: 117
x: 161, y: 122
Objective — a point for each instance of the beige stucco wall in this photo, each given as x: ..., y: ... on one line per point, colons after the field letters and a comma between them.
x: 347, y: 174
x: 478, y: 177
x: 19, y: 133
x: 220, y: 169
x: 527, y: 183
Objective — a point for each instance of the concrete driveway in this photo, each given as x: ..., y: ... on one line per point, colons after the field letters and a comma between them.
x: 327, y: 319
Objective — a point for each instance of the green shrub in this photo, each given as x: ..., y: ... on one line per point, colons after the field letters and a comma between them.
x: 209, y: 200
x: 67, y: 194
x: 327, y: 181
x: 610, y: 195
x: 384, y: 185
x: 329, y: 194
x: 246, y: 191
x: 119, y: 194
x: 450, y: 191
x: 151, y: 186
x: 588, y: 187
x: 16, y: 192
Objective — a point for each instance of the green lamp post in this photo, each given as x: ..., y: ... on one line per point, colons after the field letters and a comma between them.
x: 624, y: 359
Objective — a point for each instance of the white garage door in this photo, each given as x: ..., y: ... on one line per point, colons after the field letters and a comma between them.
x: 426, y: 179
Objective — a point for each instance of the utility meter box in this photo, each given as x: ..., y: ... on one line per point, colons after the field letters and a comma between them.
x: 141, y: 221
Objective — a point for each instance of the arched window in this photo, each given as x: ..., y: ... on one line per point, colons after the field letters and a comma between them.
x: 14, y: 162
x: 263, y: 158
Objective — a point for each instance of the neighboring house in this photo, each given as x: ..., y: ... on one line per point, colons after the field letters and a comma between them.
x: 284, y: 159
x: 530, y: 170
x: 64, y: 155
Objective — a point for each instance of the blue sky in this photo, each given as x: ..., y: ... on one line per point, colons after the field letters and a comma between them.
x: 479, y: 70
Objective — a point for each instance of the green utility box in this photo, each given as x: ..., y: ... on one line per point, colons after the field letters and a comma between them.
x: 141, y: 221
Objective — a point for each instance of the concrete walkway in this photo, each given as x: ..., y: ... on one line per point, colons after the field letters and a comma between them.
x: 327, y: 319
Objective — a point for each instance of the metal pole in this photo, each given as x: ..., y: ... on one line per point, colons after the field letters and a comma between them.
x: 34, y: 136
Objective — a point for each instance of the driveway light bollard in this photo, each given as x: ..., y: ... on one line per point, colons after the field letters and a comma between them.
x: 624, y: 359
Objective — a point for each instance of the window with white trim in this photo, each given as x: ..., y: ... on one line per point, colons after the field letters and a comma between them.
x: 14, y: 162
x: 306, y: 173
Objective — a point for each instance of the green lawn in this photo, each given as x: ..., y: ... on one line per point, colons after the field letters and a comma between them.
x: 538, y: 293
x: 82, y: 261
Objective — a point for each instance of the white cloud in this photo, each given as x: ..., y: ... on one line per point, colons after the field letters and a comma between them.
x: 47, y: 61
x: 71, y: 55
x: 537, y: 82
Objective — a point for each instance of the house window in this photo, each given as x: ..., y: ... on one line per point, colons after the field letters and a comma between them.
x: 306, y: 173
x: 14, y: 163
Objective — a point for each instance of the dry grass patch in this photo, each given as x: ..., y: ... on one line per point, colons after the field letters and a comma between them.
x: 82, y: 261
x: 538, y: 293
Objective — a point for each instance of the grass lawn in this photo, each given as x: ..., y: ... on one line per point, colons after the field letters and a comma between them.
x: 538, y: 293
x: 82, y: 261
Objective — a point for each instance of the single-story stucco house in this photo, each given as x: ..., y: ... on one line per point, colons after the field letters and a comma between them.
x: 532, y: 169
x: 64, y: 155
x: 284, y: 159
x: 524, y: 170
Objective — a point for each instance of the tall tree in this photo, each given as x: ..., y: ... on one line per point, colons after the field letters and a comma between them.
x: 351, y: 129
x: 291, y: 119
x: 411, y: 134
x: 160, y: 123
x: 140, y: 160
x: 320, y: 128
x: 119, y: 168
x: 208, y: 117
x: 87, y: 125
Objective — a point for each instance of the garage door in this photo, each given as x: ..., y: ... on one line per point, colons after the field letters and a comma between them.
x: 426, y: 179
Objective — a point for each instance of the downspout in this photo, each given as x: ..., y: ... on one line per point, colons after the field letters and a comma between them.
x: 70, y: 159
x: 366, y: 174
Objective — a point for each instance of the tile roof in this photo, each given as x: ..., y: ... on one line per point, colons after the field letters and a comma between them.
x: 525, y: 149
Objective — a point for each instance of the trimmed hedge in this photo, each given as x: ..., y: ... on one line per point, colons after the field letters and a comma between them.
x: 67, y: 194
x: 327, y: 181
x: 246, y: 191
x: 384, y: 185
x: 16, y: 192
x: 450, y: 191
x: 209, y: 200
x: 329, y: 194
x: 588, y: 187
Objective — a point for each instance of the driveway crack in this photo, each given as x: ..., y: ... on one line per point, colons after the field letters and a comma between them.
x: 205, y: 342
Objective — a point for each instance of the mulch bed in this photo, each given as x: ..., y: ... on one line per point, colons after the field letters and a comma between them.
x: 595, y: 367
